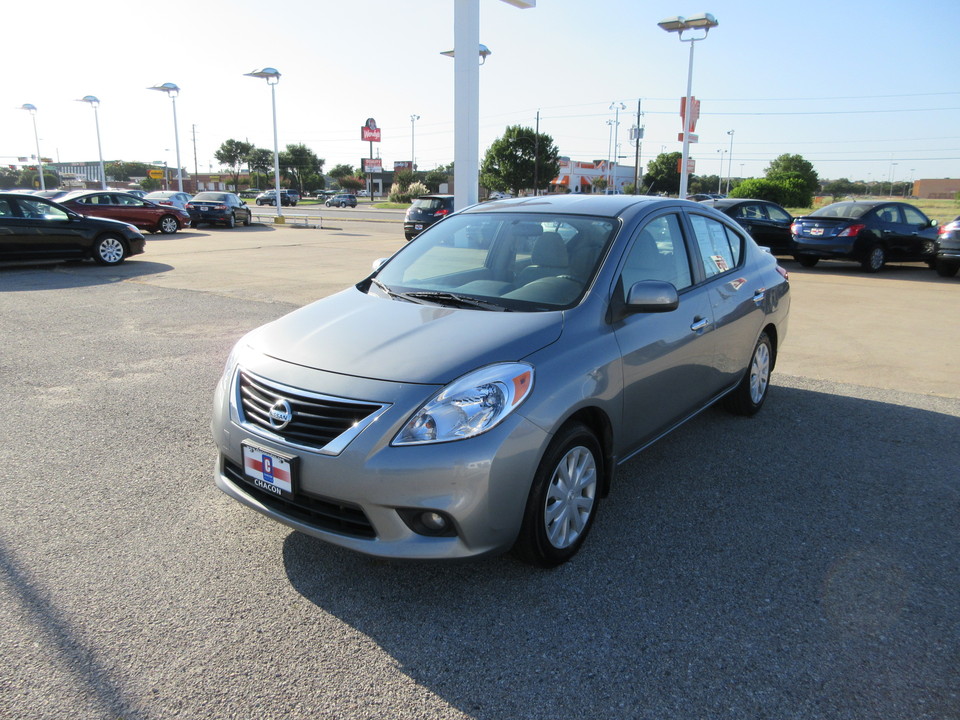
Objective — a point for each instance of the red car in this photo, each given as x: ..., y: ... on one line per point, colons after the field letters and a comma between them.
x: 127, y: 208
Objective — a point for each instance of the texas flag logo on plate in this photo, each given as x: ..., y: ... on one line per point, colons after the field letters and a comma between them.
x: 267, y: 470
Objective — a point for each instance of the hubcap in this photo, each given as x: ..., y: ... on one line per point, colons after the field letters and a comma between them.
x: 876, y: 258
x: 111, y: 250
x: 570, y: 497
x: 169, y: 225
x: 759, y: 373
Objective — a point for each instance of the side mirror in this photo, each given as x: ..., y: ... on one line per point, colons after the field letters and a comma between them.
x: 934, y: 223
x: 378, y: 263
x: 651, y: 296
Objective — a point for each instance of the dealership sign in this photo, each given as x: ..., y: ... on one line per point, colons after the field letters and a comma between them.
x: 372, y: 165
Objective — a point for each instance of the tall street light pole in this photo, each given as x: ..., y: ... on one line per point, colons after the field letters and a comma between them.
x: 616, y: 132
x: 32, y: 109
x: 173, y: 91
x: 272, y: 76
x: 729, y: 161
x: 722, y: 152
x: 680, y: 25
x: 413, y: 133
x: 95, y: 103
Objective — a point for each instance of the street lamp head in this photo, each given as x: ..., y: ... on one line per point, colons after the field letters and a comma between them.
x: 678, y: 23
x: 29, y: 108
x: 93, y: 100
x: 414, y: 118
x: 271, y: 75
x: 169, y: 88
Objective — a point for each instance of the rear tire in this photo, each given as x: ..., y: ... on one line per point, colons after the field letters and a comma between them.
x: 874, y: 260
x: 749, y: 395
x: 563, y: 499
x: 807, y: 260
x: 232, y: 221
x: 946, y: 269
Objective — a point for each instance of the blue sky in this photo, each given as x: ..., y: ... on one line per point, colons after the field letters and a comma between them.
x: 864, y: 90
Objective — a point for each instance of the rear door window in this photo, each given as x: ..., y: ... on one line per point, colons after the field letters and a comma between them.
x: 720, y: 248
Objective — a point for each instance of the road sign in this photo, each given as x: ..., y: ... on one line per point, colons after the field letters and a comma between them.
x: 155, y: 174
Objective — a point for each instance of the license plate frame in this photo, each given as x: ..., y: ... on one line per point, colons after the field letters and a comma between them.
x: 270, y: 470
x: 816, y: 232
x: 418, y: 226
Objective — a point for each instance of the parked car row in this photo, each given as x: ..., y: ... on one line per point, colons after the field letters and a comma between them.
x: 871, y: 233
x: 287, y: 197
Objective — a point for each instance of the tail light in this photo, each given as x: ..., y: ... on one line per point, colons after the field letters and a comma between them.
x: 783, y: 273
x: 795, y: 228
x: 949, y: 228
x: 441, y: 212
x: 852, y: 230
x: 164, y: 202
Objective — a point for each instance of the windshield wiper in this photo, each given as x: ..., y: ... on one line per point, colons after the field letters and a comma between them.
x: 461, y: 300
x: 394, y: 294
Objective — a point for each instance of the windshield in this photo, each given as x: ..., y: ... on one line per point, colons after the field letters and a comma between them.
x: 210, y: 197
x: 841, y: 210
x: 529, y: 262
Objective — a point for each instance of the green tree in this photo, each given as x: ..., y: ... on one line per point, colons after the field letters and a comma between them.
x: 435, y: 178
x: 260, y: 161
x: 299, y: 161
x: 233, y: 153
x: 352, y: 183
x: 794, y: 167
x: 520, y: 159
x: 787, y: 190
x: 341, y: 171
x: 662, y: 174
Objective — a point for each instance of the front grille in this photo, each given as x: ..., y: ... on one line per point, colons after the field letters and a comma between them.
x: 317, y: 420
x: 331, y: 515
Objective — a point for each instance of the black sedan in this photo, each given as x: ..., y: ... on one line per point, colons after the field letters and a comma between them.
x: 34, y: 228
x: 767, y: 222
x: 424, y: 212
x: 948, y: 249
x: 218, y: 207
x: 869, y: 232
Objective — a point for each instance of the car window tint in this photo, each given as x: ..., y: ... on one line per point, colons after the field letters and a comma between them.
x: 776, y: 213
x: 912, y: 216
x: 658, y: 253
x: 129, y: 200
x: 889, y: 214
x: 751, y: 212
x: 39, y: 209
x: 719, y: 247
x: 6, y: 209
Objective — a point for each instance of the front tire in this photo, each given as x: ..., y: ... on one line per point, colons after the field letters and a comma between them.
x: 109, y: 250
x: 749, y: 395
x: 563, y: 499
x: 169, y: 224
x: 247, y: 219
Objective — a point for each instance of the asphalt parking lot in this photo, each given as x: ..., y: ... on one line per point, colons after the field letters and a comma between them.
x: 801, y: 564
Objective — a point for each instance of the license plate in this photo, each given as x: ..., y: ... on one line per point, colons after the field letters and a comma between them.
x: 418, y: 227
x: 203, y: 208
x: 269, y: 470
x: 816, y: 231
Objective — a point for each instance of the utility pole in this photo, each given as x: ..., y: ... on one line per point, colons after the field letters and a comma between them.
x: 536, y: 157
x: 196, y: 169
x: 639, y: 139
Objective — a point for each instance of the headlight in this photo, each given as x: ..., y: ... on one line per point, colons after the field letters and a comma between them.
x: 242, y: 347
x: 477, y: 402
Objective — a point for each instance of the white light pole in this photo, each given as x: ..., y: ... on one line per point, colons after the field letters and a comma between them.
x: 729, y: 160
x: 33, y: 112
x: 466, y: 98
x: 95, y: 103
x: 617, y: 107
x: 172, y: 90
x: 679, y: 25
x: 720, y: 176
x: 413, y: 153
x: 272, y: 76
x: 892, y: 166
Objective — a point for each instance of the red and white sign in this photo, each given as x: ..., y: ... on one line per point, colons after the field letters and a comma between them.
x: 691, y: 165
x: 372, y: 165
x: 370, y: 132
x: 694, y: 115
x: 402, y: 165
x: 693, y: 137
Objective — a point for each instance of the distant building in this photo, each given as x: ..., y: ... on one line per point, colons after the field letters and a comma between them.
x: 945, y: 189
x: 579, y: 177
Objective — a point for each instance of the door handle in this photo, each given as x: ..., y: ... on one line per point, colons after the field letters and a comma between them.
x: 699, y: 324
x: 759, y: 295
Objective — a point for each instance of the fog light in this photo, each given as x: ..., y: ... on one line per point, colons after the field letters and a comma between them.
x: 428, y: 522
x: 435, y: 522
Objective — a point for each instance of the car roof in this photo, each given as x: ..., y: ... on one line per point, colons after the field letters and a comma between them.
x: 580, y: 204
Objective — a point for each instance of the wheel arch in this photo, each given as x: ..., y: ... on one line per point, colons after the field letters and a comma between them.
x: 597, y: 421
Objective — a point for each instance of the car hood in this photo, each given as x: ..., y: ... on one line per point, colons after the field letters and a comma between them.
x: 353, y: 333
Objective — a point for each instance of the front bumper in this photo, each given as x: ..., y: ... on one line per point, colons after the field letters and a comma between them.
x: 358, y: 498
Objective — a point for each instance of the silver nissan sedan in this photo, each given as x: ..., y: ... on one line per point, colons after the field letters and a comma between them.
x: 477, y: 392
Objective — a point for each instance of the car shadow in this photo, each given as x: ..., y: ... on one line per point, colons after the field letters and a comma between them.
x: 59, y: 274
x: 799, y: 564
x: 914, y: 272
